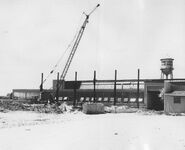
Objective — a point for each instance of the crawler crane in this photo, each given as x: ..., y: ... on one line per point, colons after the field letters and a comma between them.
x: 51, y: 96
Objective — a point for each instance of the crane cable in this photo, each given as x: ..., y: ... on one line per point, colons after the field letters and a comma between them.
x: 60, y: 59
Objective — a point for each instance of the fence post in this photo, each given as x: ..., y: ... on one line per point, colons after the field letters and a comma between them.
x: 75, y: 86
x: 94, y: 82
x: 138, y: 76
x: 115, y: 87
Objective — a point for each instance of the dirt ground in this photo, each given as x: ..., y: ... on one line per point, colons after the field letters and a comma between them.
x: 21, y: 130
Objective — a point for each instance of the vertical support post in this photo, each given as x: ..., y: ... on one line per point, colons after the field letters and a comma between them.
x: 94, y: 82
x: 138, y: 76
x: 161, y: 75
x: 57, y: 88
x: 75, y: 86
x: 26, y: 95
x: 115, y: 80
x: 41, y: 85
x: 122, y: 98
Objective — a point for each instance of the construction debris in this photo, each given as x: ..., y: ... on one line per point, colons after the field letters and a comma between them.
x: 120, y: 109
x: 6, y: 106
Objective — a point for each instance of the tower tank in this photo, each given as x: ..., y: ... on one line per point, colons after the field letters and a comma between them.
x: 167, y: 68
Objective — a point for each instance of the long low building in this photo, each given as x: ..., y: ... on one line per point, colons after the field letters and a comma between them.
x: 126, y: 92
x: 25, y: 93
x: 83, y: 94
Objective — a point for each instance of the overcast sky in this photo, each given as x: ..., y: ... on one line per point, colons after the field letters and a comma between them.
x: 121, y: 34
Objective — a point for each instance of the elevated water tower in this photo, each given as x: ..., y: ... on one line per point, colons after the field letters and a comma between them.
x: 167, y: 68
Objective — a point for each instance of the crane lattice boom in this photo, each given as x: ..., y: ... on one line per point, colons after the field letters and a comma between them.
x: 75, y: 46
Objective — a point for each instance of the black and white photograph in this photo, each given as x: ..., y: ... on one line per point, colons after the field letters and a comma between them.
x: 92, y: 74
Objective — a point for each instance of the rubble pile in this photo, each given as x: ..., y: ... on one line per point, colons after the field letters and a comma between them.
x: 120, y: 109
x: 6, y: 106
x: 150, y: 112
x: 11, y: 105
